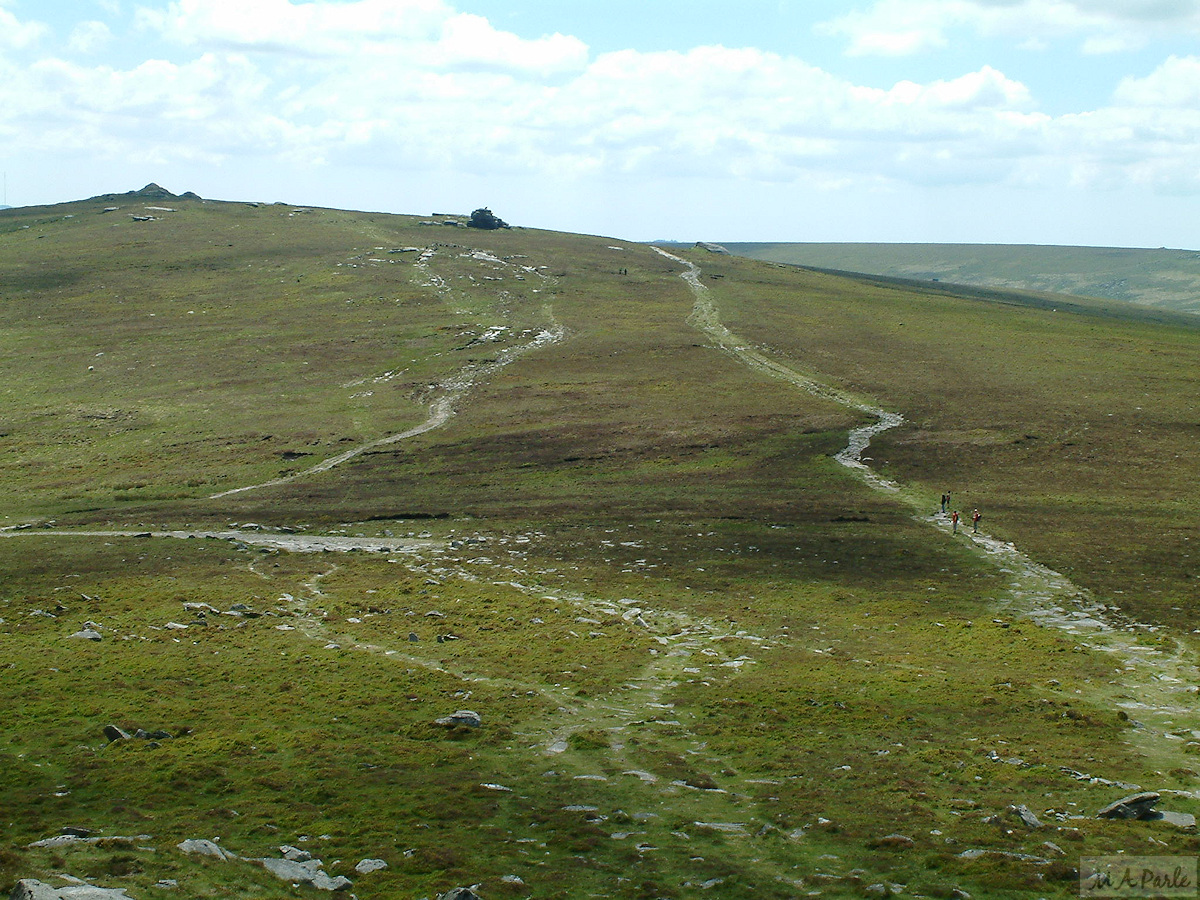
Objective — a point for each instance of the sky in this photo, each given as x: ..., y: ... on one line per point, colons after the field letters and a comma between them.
x: 979, y: 121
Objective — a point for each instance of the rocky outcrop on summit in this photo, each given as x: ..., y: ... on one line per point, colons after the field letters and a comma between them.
x: 151, y: 191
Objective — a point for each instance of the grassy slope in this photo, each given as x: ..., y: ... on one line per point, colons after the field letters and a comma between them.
x: 1168, y: 279
x: 1076, y: 435
x: 808, y: 662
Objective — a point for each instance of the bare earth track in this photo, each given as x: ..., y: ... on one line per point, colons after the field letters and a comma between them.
x: 1154, y: 683
x: 1158, y: 687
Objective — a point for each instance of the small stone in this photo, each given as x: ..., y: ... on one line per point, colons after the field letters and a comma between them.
x: 459, y: 893
x: 113, y: 733
x: 367, y: 866
x: 88, y: 634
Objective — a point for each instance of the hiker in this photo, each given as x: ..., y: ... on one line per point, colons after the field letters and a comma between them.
x: 954, y: 521
x: 975, y: 517
x: 945, y: 500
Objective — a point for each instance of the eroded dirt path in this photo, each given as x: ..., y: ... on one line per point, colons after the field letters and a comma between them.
x: 1155, y: 678
x: 448, y: 393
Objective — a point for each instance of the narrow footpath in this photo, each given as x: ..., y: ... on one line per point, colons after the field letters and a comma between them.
x: 1155, y: 681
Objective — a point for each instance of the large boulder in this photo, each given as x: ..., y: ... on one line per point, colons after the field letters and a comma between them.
x: 1135, y: 806
x: 467, y: 717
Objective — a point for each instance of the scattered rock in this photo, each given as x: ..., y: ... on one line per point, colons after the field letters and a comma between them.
x: 59, y: 840
x: 895, y: 842
x: 367, y: 866
x: 412, y: 637
x: 113, y: 733
x: 309, y: 871
x: 1135, y: 806
x: 324, y: 882
x: 1022, y: 812
x: 459, y: 893
x: 88, y: 634
x: 32, y: 889
x: 201, y: 607
x: 156, y: 735
x: 295, y: 854
x: 203, y: 847
x: 291, y: 870
x: 1004, y: 854
x: 465, y: 717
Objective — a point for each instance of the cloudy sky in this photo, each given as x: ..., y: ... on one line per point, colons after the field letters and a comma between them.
x: 1006, y: 121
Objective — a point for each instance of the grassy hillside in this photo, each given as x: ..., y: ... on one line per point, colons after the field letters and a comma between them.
x: 318, y: 479
x: 1166, y: 279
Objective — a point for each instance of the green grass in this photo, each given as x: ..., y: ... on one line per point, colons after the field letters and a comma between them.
x: 709, y: 662
x: 1075, y: 435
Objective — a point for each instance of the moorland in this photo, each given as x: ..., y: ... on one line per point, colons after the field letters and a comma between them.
x: 1160, y: 277
x: 538, y: 562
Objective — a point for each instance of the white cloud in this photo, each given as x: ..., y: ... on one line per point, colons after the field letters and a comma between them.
x: 1176, y: 83
x: 15, y: 34
x: 427, y: 33
x: 413, y: 86
x: 906, y: 27
x: 303, y: 27
x: 204, y: 109
x: 88, y: 37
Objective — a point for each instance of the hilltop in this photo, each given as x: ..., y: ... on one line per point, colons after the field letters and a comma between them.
x: 1162, y: 278
x: 564, y: 566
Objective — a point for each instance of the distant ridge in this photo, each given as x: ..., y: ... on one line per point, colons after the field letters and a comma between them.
x: 1162, y: 278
